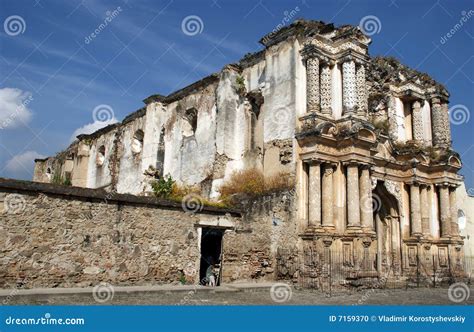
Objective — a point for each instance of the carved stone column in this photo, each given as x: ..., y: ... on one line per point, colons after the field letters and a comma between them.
x: 327, y: 196
x: 392, y: 119
x: 312, y: 85
x: 446, y: 124
x: 326, y: 89
x: 454, y: 212
x: 314, y: 195
x: 417, y: 118
x: 361, y: 85
x: 438, y: 123
x: 445, y: 210
x: 415, y: 212
x: 353, y: 197
x: 366, y: 207
x: 425, y: 211
x: 349, y: 96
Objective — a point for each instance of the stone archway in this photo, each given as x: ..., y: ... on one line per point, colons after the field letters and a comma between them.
x: 387, y: 225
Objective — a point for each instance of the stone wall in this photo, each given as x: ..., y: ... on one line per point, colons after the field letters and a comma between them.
x: 59, y: 236
x: 253, y: 250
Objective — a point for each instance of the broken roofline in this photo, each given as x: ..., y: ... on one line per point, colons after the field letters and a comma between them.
x: 299, y: 27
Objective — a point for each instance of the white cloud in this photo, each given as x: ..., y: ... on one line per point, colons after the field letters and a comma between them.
x: 23, y: 162
x: 14, y: 107
x: 92, y: 127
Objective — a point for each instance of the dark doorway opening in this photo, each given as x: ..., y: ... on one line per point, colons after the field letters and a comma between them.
x: 211, y: 250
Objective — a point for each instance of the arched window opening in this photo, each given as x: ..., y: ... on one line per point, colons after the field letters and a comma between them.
x: 160, y: 158
x: 190, y: 125
x: 100, y: 159
x: 137, y: 141
x: 255, y: 101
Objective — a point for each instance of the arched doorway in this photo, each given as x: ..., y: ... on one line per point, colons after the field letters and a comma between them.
x: 387, y: 224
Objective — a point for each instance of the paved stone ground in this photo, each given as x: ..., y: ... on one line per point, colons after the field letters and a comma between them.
x: 255, y: 296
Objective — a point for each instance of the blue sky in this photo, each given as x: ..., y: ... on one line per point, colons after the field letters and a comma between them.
x: 47, y: 65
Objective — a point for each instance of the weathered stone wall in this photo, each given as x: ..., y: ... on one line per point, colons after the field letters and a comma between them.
x: 251, y: 251
x: 57, y: 236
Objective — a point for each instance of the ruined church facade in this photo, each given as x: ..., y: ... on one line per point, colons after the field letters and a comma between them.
x: 366, y: 139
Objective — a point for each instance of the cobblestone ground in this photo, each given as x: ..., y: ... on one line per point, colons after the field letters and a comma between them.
x: 254, y: 297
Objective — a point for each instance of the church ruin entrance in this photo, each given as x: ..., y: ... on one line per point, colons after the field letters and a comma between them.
x: 211, y: 253
x: 387, y: 224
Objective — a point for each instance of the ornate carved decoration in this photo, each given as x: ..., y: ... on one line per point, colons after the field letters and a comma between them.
x: 366, y: 242
x: 327, y: 241
x: 373, y: 183
x: 417, y: 122
x: 394, y: 189
x: 312, y: 84
x: 349, y: 86
x: 362, y: 100
x: 326, y: 89
x: 440, y: 123
x: 338, y: 48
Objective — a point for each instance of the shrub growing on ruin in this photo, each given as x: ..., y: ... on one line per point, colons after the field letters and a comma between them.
x: 59, y: 179
x: 163, y: 187
x: 253, y: 183
x: 180, y: 191
x: 240, y: 85
x: 279, y: 182
x: 167, y: 188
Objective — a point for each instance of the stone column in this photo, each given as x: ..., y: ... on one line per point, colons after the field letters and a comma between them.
x: 392, y: 119
x: 349, y: 96
x: 454, y: 212
x: 312, y: 85
x: 361, y: 85
x: 326, y: 90
x: 425, y: 211
x: 417, y: 122
x: 353, y: 197
x: 415, y: 211
x: 314, y: 195
x: 445, y: 211
x: 366, y: 207
x: 327, y: 196
x: 438, y: 123
x: 446, y: 124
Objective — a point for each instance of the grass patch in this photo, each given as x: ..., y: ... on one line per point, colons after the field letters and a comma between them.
x: 167, y: 188
x: 253, y: 183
